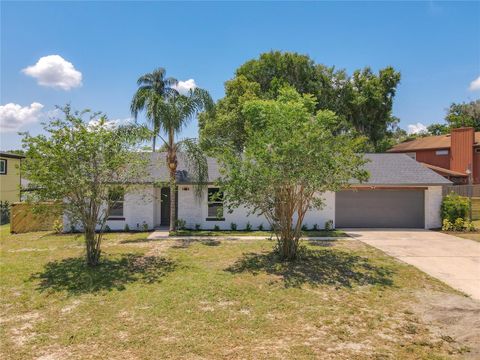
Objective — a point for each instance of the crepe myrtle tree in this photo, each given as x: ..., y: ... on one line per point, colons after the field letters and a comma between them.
x: 83, y: 162
x: 290, y: 159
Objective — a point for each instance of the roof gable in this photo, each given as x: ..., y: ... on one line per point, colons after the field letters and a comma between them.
x: 428, y: 143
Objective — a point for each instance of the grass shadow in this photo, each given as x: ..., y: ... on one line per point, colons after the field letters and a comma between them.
x: 113, y: 273
x: 185, y: 243
x: 316, y: 267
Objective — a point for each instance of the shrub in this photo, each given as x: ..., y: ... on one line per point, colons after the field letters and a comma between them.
x: 107, y: 228
x: 329, y: 225
x: 144, y: 226
x: 304, y: 227
x: 455, y: 207
x: 248, y: 227
x: 447, y: 225
x: 233, y: 226
x: 198, y: 227
x: 469, y: 226
x: 315, y: 227
x: 216, y: 228
x: 459, y: 224
x: 126, y: 228
x: 72, y: 229
x: 180, y: 224
x: 260, y: 227
x: 4, y: 212
x: 57, y: 226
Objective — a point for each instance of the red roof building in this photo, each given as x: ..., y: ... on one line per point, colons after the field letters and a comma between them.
x: 455, y: 156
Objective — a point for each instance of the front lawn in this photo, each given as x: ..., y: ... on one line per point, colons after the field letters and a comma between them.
x: 310, y: 233
x: 218, y: 299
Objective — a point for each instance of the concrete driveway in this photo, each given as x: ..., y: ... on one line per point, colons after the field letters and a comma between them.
x: 451, y: 259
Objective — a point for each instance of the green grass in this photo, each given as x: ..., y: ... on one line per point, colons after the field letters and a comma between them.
x: 312, y: 233
x: 210, y: 299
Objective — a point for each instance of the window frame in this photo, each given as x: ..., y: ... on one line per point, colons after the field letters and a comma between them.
x: 120, y: 200
x: 477, y: 150
x: 5, y: 162
x: 215, y: 202
x: 442, y: 152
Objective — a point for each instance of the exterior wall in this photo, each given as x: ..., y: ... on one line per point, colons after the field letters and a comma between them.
x: 138, y: 209
x: 433, y: 202
x: 10, y: 182
x: 462, y: 149
x: 195, y: 212
x: 476, y: 166
x: 430, y: 157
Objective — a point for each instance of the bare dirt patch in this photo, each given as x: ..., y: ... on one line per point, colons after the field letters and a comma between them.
x: 454, y: 318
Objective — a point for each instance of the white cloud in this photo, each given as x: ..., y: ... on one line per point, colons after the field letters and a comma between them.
x: 54, y: 71
x: 14, y: 116
x: 109, y: 124
x: 416, y: 128
x: 183, y: 87
x: 475, y: 84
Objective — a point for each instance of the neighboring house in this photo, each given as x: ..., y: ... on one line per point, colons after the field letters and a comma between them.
x: 10, y: 177
x: 455, y: 156
x: 401, y: 193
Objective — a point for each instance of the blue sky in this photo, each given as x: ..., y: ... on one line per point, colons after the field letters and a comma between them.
x: 435, y: 45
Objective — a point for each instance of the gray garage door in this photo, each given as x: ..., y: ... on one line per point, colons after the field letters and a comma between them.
x: 380, y: 209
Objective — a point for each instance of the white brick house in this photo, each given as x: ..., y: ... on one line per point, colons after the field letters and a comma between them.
x: 401, y: 193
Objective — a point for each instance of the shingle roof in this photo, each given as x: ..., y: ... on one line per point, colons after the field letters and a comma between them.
x: 399, y: 169
x: 429, y: 142
x: 10, y: 155
x: 384, y: 169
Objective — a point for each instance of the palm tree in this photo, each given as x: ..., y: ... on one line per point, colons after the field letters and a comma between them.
x: 174, y: 113
x: 153, y: 89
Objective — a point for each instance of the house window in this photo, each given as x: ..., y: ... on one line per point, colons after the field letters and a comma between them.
x: 477, y: 150
x: 3, y: 166
x: 117, y: 199
x: 441, y: 152
x: 215, y: 204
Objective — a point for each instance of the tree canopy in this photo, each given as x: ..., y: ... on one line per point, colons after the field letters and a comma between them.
x: 80, y: 163
x: 458, y: 115
x: 362, y: 101
x: 292, y: 156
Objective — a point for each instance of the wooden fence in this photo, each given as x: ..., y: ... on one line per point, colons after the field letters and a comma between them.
x: 25, y: 217
x: 470, y: 191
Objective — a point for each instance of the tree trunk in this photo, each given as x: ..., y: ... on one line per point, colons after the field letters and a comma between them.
x: 173, y: 215
x: 154, y: 141
x: 172, y: 166
x: 93, y: 250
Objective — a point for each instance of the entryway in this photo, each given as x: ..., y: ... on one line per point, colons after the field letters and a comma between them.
x: 163, y: 196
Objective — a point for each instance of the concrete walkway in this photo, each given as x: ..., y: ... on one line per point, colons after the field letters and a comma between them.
x: 163, y: 234
x: 451, y: 259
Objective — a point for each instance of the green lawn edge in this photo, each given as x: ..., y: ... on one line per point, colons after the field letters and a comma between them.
x: 317, y: 233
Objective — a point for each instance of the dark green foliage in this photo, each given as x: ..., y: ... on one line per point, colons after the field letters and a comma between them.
x: 216, y: 228
x: 455, y: 207
x: 304, y: 227
x: 260, y: 227
x: 4, y: 212
x: 314, y: 227
x: 362, y: 101
x: 233, y: 226
x: 248, y: 227
x: 126, y: 228
x: 198, y: 227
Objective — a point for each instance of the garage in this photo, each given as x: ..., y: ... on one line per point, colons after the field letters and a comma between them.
x: 380, y: 208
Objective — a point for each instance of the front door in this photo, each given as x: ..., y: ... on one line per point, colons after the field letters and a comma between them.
x: 165, y: 206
